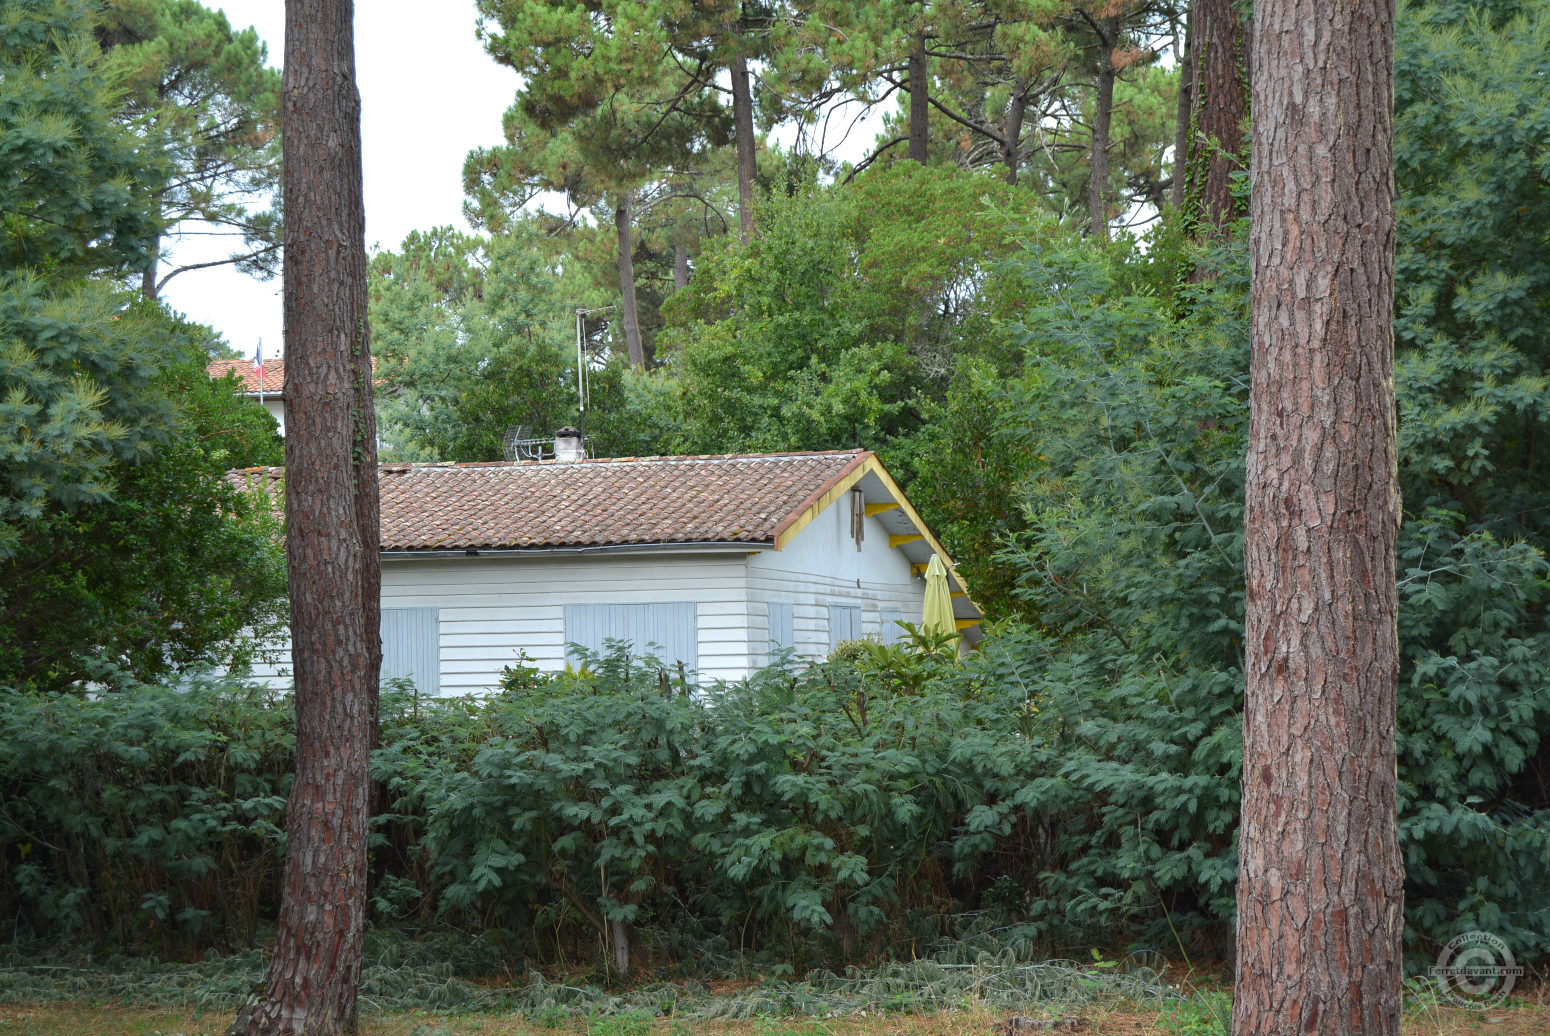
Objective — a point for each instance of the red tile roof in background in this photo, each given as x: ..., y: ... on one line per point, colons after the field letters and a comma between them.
x: 734, y: 498
x: 274, y: 375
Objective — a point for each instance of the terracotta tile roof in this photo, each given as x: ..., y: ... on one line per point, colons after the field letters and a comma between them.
x: 614, y: 502
x: 274, y: 375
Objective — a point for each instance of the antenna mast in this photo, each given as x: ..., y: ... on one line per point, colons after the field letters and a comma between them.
x: 581, y: 367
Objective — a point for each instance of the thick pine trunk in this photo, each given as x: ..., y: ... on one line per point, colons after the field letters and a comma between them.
x: 1185, y: 109
x: 747, y: 157
x: 331, y: 535
x: 1217, y: 145
x: 1103, y: 113
x: 632, y: 342
x: 920, y: 101
x: 1320, y: 879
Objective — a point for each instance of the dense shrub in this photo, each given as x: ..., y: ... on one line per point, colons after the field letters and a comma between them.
x: 844, y: 812
x: 153, y: 818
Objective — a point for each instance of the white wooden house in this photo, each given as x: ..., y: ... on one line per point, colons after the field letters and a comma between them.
x: 714, y: 560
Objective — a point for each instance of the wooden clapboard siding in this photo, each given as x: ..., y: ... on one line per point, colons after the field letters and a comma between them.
x: 494, y: 609
x: 821, y: 567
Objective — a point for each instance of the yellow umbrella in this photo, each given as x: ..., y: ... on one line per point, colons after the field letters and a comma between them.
x: 938, y: 613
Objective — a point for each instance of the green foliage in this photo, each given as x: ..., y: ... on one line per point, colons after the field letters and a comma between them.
x: 473, y: 336
x: 177, y: 569
x: 1133, y: 419
x: 1204, y: 1014
x: 73, y: 181
x: 823, y: 331
x: 203, y: 90
x: 851, y: 811
x: 151, y: 819
x: 76, y: 373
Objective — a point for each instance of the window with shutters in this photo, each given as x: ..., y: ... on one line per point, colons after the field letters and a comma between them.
x: 844, y: 624
x: 890, y: 631
x: 411, y: 646
x: 668, y: 632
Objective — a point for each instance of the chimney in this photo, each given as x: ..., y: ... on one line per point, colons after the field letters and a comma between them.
x: 568, y: 447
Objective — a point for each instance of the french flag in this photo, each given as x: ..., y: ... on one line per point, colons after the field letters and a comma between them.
x: 258, y: 366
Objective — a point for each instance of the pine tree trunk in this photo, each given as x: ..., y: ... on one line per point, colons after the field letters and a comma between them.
x: 920, y: 101
x: 148, y: 275
x: 632, y: 342
x: 1103, y: 113
x: 1184, y: 111
x: 680, y: 267
x: 1012, y: 134
x: 331, y: 535
x: 747, y: 157
x: 1221, y: 106
x: 1320, y: 878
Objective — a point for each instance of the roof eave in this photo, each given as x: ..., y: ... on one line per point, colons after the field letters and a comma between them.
x: 694, y: 547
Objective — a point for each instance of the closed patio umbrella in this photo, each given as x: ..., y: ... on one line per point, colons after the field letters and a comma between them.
x: 938, y: 612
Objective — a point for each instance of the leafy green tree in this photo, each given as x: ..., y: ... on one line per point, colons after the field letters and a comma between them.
x: 77, y: 374
x: 177, y: 570
x: 823, y: 331
x: 122, y: 549
x: 474, y: 337
x: 201, y: 89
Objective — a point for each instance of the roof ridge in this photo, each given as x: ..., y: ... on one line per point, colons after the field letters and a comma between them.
x: 400, y: 466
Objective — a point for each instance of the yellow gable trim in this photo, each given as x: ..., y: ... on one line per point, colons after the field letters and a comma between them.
x: 873, y: 510
x: 874, y: 466
x: 820, y: 505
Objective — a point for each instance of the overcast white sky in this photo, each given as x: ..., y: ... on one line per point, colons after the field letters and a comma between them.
x: 429, y: 94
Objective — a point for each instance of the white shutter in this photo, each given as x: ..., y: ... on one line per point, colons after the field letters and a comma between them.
x: 844, y: 624
x: 890, y: 631
x: 668, y: 632
x: 782, y: 628
x: 411, y: 646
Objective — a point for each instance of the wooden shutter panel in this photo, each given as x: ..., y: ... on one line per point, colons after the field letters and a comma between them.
x: 782, y: 626
x: 411, y: 646
x: 673, y: 628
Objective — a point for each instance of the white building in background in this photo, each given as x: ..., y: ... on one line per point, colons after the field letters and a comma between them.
x: 715, y: 560
x: 270, y: 389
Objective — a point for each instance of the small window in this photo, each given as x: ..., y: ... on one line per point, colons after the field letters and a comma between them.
x: 667, y: 631
x: 889, y: 632
x: 782, y: 628
x: 411, y: 647
x: 844, y: 624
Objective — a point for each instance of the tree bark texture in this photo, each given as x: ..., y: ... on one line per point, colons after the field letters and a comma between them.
x: 1017, y: 112
x: 747, y: 157
x: 920, y: 101
x: 1320, y: 878
x: 680, y: 266
x: 632, y: 341
x: 1186, y: 55
x: 1103, y: 114
x: 148, y: 275
x: 332, y: 534
x: 1221, y: 107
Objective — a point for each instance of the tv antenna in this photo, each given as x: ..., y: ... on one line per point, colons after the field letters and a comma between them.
x: 583, y: 388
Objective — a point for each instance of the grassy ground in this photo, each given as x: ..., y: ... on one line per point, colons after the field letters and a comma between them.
x: 1520, y: 1019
